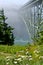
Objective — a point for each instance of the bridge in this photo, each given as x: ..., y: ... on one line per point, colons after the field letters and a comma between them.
x: 32, y: 14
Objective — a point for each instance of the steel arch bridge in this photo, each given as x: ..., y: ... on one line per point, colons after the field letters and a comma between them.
x: 32, y: 13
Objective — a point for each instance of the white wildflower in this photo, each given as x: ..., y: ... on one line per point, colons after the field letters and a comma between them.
x: 19, y: 55
x: 30, y: 56
x: 36, y: 51
x: 30, y: 59
x: 27, y: 52
x: 8, y: 59
x: 41, y: 57
x: 22, y: 56
x: 15, y: 62
x: 19, y: 59
x: 7, y: 63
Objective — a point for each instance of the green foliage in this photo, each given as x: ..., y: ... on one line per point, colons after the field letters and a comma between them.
x: 39, y: 35
x: 39, y: 40
x: 21, y: 55
x: 6, y: 34
x: 11, y: 49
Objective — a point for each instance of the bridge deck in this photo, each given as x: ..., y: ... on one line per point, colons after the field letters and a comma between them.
x: 32, y: 3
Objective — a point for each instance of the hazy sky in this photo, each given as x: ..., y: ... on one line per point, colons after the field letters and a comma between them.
x: 14, y: 19
x: 12, y: 2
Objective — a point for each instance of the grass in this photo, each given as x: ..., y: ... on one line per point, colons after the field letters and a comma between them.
x: 11, y: 49
x: 21, y: 55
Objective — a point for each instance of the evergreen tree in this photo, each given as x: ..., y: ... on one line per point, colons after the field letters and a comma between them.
x: 6, y: 34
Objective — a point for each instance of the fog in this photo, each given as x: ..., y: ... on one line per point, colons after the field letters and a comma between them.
x: 11, y: 9
x: 17, y: 22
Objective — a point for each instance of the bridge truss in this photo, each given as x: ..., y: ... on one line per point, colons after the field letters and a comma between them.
x: 32, y: 12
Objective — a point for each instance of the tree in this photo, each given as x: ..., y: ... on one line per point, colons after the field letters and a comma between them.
x: 39, y: 35
x: 6, y: 32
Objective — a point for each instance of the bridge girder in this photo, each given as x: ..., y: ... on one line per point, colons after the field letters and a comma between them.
x: 35, y: 9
